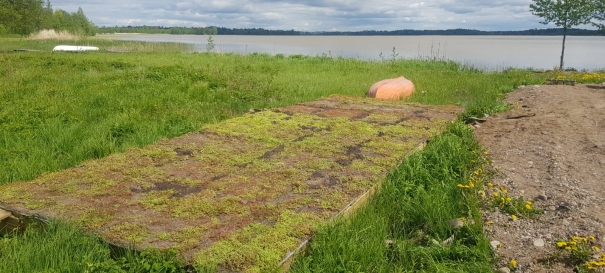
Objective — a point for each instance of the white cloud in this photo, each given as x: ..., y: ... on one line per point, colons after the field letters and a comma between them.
x: 312, y: 15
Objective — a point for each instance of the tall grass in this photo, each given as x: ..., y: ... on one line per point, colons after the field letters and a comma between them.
x: 105, y: 45
x: 59, y: 109
x: 59, y: 247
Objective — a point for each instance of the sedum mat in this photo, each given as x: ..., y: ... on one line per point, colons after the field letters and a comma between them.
x: 242, y: 194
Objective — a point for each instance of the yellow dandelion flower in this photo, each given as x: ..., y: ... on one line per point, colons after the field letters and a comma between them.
x: 508, y: 199
x: 460, y: 186
x: 583, y: 240
x: 561, y: 244
x: 463, y: 219
x: 513, y: 263
x: 505, y: 191
x: 495, y: 194
x: 490, y: 223
x: 514, y: 217
x: 481, y: 193
x: 485, y: 152
x: 528, y: 206
x: 575, y: 238
x: 490, y: 184
x: 568, y: 248
x: 591, y: 238
x: 596, y: 248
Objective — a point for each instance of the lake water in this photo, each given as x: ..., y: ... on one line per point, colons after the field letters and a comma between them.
x: 485, y: 52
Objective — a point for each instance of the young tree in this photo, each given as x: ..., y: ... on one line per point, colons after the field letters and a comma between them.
x: 563, y: 13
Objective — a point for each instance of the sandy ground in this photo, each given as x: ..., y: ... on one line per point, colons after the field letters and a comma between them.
x: 549, y: 149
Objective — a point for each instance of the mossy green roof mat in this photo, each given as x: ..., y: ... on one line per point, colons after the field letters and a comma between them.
x: 242, y: 194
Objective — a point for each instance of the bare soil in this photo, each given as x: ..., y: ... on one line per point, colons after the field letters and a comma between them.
x: 550, y: 149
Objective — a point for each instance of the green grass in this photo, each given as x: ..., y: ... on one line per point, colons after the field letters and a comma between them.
x: 60, y: 109
x: 58, y: 247
x: 105, y: 45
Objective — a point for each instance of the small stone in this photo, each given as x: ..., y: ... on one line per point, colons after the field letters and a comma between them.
x: 388, y: 242
x: 495, y: 244
x: 542, y: 197
x: 539, y: 243
x: 544, y: 132
x: 565, y: 222
x: 448, y: 241
x: 563, y: 207
x: 455, y: 223
x: 503, y: 270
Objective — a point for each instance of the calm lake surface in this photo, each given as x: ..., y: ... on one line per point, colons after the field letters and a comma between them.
x: 485, y: 52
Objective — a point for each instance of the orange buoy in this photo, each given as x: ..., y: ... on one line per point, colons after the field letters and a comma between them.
x: 392, y: 89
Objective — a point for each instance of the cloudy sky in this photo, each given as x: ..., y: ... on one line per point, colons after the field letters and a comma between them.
x: 311, y: 15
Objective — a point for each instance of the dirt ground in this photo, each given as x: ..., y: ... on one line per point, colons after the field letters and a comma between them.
x: 550, y: 149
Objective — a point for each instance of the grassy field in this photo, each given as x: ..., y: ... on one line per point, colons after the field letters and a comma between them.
x: 60, y: 109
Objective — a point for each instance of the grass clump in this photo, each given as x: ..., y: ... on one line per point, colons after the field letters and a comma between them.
x: 59, y: 247
x: 405, y: 227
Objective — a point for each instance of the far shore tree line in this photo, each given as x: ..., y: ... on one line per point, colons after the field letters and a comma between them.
x: 24, y: 17
x: 262, y: 31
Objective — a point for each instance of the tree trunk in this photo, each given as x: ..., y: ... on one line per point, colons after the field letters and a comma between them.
x: 563, y: 49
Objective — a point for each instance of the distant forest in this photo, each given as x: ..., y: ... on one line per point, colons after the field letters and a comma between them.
x: 24, y: 17
x: 261, y: 31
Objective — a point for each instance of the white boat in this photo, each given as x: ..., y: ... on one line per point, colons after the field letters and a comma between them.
x: 71, y: 48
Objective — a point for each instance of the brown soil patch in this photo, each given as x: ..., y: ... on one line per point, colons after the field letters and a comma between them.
x: 550, y: 149
x: 240, y: 194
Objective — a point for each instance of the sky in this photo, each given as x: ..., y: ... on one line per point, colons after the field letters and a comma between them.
x: 311, y: 15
